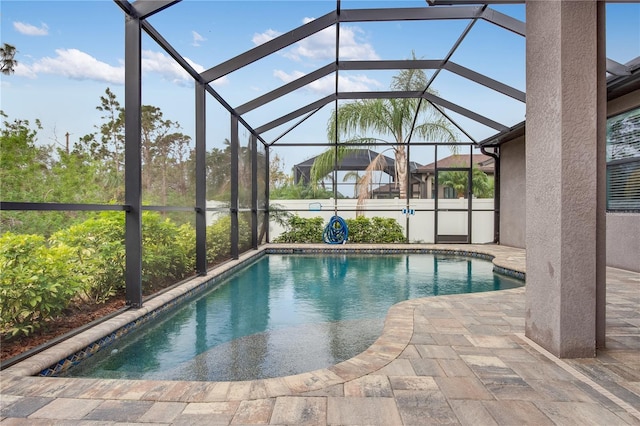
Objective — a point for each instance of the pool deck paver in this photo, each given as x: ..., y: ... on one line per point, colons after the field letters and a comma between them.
x: 459, y: 359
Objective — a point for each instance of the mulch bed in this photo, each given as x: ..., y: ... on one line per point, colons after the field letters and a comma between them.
x: 68, y: 321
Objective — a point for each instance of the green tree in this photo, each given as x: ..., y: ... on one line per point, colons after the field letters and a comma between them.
x: 168, y: 155
x: 459, y: 180
x: 166, y: 161
x: 9, y: 63
x: 385, y: 117
x: 218, y: 164
x: 277, y: 176
x: 109, y: 150
x: 31, y: 172
x: 22, y: 162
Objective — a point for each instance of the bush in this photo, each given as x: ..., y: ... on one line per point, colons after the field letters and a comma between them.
x: 219, y: 238
x: 168, y: 252
x: 377, y: 230
x: 37, y: 282
x: 166, y: 256
x: 302, y: 230
x: 86, y: 262
x: 99, y: 246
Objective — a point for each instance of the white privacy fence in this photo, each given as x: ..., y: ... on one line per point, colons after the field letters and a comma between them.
x: 421, y: 215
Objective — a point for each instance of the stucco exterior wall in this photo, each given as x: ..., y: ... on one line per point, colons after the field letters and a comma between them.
x: 512, y: 194
x: 623, y: 241
x: 623, y: 229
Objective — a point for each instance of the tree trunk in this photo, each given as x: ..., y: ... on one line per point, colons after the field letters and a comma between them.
x: 401, y: 170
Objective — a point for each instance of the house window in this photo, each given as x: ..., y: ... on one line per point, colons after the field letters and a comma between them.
x: 623, y: 161
x: 450, y: 193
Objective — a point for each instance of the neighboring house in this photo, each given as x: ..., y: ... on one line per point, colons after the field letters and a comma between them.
x: 359, y: 160
x: 426, y: 174
x: 356, y: 160
x: 422, y: 177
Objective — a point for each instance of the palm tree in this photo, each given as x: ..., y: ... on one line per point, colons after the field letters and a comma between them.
x: 8, y: 53
x: 385, y: 117
x: 355, y: 176
x: 482, y: 186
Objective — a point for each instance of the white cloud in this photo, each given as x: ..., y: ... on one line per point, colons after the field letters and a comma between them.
x: 78, y: 65
x: 168, y: 69
x: 321, y: 45
x: 260, y: 38
x: 23, y: 70
x: 326, y: 85
x: 197, y: 38
x: 351, y: 48
x: 32, y: 30
x: 74, y: 64
x: 358, y: 83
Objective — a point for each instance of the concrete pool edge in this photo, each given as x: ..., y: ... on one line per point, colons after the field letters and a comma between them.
x: 395, y: 337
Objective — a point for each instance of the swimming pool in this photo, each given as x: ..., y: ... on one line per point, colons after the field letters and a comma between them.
x: 286, y: 314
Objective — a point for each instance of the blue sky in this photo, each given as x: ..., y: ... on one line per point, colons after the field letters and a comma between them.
x: 69, y: 52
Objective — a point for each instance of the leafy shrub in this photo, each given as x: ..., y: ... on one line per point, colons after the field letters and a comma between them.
x: 168, y: 252
x: 219, y: 238
x: 37, y: 282
x: 166, y: 255
x: 99, y: 246
x: 302, y: 230
x: 185, y: 241
x: 377, y: 230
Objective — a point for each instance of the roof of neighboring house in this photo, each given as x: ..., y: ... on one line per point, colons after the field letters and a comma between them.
x: 388, y: 188
x: 483, y: 162
x: 356, y: 159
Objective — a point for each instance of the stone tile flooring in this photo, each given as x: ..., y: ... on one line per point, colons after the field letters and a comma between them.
x: 459, y: 359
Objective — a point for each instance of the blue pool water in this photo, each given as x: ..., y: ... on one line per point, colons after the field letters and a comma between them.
x: 286, y: 314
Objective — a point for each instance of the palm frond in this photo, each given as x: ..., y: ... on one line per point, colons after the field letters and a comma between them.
x: 325, y: 163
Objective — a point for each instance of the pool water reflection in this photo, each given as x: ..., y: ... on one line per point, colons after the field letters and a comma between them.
x: 286, y: 314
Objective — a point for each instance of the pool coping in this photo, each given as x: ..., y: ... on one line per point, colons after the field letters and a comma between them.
x: 396, y: 334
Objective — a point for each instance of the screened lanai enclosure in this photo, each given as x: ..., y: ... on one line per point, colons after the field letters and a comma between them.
x: 416, y: 120
x: 339, y: 108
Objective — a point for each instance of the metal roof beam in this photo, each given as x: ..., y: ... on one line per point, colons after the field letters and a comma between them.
x: 616, y: 68
x: 463, y: 111
x: 270, y: 47
x: 485, y: 81
x: 381, y: 65
x: 415, y: 94
x: 328, y: 69
x: 408, y: 14
x: 459, y: 2
x: 294, y: 114
x: 431, y: 98
x: 162, y: 42
x: 383, y: 95
x: 404, y: 64
x: 428, y: 96
x: 146, y: 8
x: 287, y: 88
x: 505, y: 21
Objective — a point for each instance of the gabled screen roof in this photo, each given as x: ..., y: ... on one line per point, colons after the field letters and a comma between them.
x: 307, y: 58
